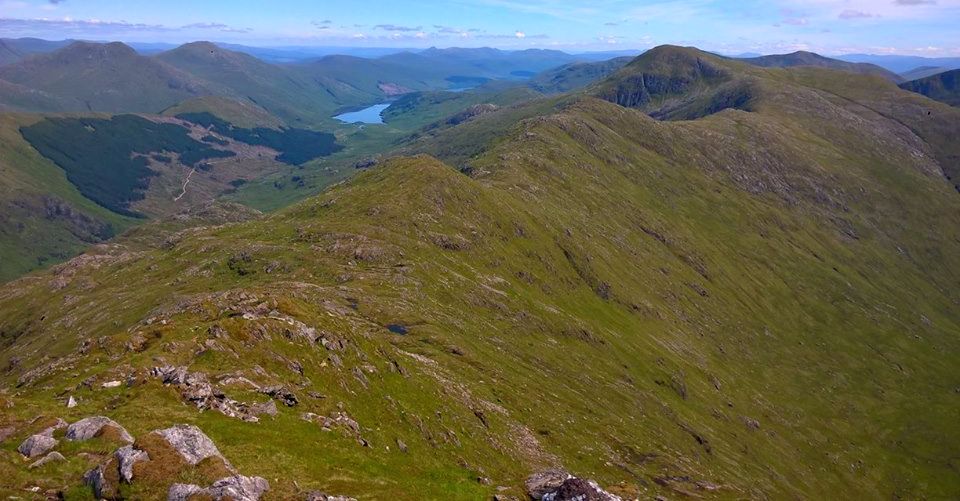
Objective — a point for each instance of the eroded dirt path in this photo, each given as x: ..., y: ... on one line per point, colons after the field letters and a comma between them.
x: 185, y: 183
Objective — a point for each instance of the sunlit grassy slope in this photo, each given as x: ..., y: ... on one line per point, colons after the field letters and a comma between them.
x: 753, y: 304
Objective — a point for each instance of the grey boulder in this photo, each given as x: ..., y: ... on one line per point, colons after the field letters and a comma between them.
x: 127, y: 456
x: 235, y: 488
x: 36, y: 445
x: 90, y: 427
x: 49, y: 458
x: 191, y: 443
x: 97, y: 481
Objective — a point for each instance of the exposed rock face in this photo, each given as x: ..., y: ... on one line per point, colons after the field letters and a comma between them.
x: 191, y: 443
x: 195, y: 388
x: 578, y: 489
x: 339, y: 420
x: 545, y: 482
x: 49, y: 458
x: 90, y: 427
x: 235, y: 488
x: 558, y: 485
x: 269, y: 408
x: 126, y: 457
x: 183, y: 492
x: 282, y: 394
x: 36, y: 445
x: 97, y: 481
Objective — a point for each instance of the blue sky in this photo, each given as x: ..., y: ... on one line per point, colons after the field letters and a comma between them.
x: 916, y: 27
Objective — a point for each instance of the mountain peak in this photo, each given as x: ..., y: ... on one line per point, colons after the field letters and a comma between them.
x: 805, y: 58
x: 202, y: 45
x: 99, y: 50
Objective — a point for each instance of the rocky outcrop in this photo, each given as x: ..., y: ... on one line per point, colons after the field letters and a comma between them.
x: 91, y: 427
x: 191, y: 443
x: 234, y: 488
x: 126, y: 457
x: 49, y: 458
x: 338, y: 420
x: 268, y: 408
x: 97, y: 480
x: 282, y: 394
x: 195, y: 388
x: 37, y: 445
x: 558, y: 485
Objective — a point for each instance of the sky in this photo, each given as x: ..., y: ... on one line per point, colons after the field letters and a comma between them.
x: 910, y: 27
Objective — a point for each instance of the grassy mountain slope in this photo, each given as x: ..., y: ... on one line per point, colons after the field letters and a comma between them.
x: 104, y: 77
x: 8, y: 54
x: 754, y: 304
x: 803, y: 58
x: 239, y: 112
x: 943, y: 87
x: 574, y: 76
x: 234, y: 74
x: 15, y: 97
x: 15, y: 49
x: 391, y: 75
x: 922, y: 72
x: 44, y: 219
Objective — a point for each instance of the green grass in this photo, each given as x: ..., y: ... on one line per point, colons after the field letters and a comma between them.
x: 32, y: 236
x: 614, y: 294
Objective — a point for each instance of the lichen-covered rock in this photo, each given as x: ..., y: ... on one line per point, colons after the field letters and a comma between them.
x: 97, y: 481
x: 282, y: 394
x: 90, y: 427
x: 195, y: 387
x: 127, y: 456
x: 544, y: 482
x: 234, y: 488
x: 37, y: 445
x: 558, y: 485
x: 191, y: 443
x: 578, y: 489
x: 183, y: 492
x: 49, y: 458
x: 269, y: 408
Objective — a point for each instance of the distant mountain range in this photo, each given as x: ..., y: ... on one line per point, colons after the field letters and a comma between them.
x: 802, y: 58
x: 113, y: 77
x: 12, y: 50
x: 903, y: 64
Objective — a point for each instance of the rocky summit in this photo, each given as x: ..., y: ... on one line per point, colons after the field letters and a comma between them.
x: 542, y: 277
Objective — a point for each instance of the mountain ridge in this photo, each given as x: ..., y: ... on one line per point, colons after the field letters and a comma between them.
x: 757, y: 302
